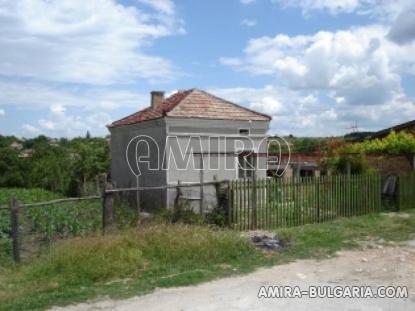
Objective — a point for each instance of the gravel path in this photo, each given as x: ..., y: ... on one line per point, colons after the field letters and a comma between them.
x: 381, y: 265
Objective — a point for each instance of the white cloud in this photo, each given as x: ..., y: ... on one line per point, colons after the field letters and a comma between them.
x: 305, y: 112
x: 403, y: 28
x: 293, y: 112
x: 247, y: 1
x: 57, y: 108
x: 30, y: 130
x: 63, y: 124
x: 93, y: 42
x: 248, y: 22
x: 2, y: 113
x: 70, y: 111
x: 33, y: 95
x: 332, y: 6
x: 358, y: 66
x: 385, y: 10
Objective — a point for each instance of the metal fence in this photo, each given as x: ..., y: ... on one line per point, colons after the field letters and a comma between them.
x: 287, y: 202
x: 406, y: 191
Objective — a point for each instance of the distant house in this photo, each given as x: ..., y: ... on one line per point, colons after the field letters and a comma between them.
x: 191, y: 126
x: 16, y: 145
x: 407, y: 127
x: 26, y: 153
x: 296, y: 164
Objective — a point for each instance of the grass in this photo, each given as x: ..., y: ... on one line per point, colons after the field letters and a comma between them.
x: 135, y: 262
x: 125, y: 264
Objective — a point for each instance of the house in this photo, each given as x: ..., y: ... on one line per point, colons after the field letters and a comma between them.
x: 16, y: 145
x: 408, y: 127
x: 298, y: 164
x: 189, y: 135
x: 26, y: 153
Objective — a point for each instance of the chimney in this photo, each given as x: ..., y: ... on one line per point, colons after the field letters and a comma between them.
x: 157, y: 98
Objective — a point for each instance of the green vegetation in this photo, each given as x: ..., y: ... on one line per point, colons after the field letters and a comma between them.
x: 27, y: 195
x: 338, y: 153
x: 46, y: 222
x: 136, y: 262
x: 394, y: 143
x: 125, y: 264
x: 69, y: 167
x: 299, y: 144
x: 322, y: 240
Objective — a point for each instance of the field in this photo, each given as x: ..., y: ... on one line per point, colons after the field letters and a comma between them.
x: 136, y: 262
x: 39, y: 226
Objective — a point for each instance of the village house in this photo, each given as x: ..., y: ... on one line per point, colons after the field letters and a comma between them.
x: 408, y: 127
x: 215, y: 137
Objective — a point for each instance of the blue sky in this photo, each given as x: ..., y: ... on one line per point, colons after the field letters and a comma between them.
x: 318, y: 67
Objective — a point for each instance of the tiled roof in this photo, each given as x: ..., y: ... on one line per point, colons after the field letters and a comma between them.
x: 193, y: 103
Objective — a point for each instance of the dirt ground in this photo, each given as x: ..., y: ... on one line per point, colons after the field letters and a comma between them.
x: 374, y: 265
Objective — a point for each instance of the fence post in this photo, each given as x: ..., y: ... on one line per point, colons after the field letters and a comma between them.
x: 202, y: 194
x: 318, y: 197
x: 348, y: 167
x: 254, y: 195
x: 107, y: 209
x: 179, y: 194
x: 14, y: 220
x: 229, y: 202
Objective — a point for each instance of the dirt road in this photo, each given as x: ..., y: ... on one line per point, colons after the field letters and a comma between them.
x: 381, y: 265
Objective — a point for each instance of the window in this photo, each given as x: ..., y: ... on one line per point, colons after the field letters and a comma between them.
x: 246, y: 165
x: 243, y: 131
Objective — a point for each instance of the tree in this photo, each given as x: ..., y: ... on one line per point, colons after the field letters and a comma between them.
x: 11, y: 169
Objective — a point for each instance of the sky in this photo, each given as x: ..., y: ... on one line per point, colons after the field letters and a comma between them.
x: 317, y: 67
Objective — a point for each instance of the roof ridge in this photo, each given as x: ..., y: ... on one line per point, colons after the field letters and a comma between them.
x: 174, y: 105
x: 236, y: 105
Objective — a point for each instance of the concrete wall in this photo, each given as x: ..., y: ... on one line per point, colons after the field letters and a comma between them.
x: 215, y: 136
x: 177, y: 162
x: 151, y: 175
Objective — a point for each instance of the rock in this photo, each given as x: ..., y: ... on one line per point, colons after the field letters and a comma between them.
x: 363, y: 259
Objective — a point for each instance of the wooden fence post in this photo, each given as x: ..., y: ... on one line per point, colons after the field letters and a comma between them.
x: 202, y: 194
x: 14, y: 220
x: 254, y: 195
x: 179, y: 194
x: 229, y: 202
x: 348, y: 167
x: 107, y: 210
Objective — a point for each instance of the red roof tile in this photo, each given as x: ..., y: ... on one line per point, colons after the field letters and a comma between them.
x: 193, y: 103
